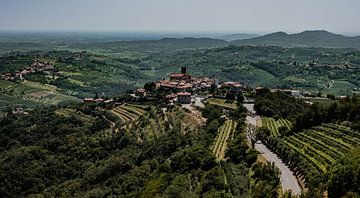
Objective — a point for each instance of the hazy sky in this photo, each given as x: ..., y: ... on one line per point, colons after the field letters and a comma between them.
x: 181, y: 15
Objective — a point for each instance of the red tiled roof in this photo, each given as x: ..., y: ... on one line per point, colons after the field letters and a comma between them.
x: 88, y: 99
x: 184, y: 94
x: 184, y: 87
x: 140, y: 90
x: 170, y: 96
x: 168, y: 85
x: 179, y: 75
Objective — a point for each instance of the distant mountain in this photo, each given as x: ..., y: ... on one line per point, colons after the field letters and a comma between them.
x: 316, y: 38
x: 239, y: 36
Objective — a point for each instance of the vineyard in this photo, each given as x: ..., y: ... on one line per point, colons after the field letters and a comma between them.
x: 321, y: 146
x: 220, y: 144
x: 129, y: 113
x: 40, y: 85
x: 30, y: 95
x: 274, y: 125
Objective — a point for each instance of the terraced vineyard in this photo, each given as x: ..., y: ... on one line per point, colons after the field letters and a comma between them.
x: 128, y: 113
x: 274, y: 125
x: 40, y: 85
x: 321, y: 146
x: 157, y: 122
x: 220, y: 144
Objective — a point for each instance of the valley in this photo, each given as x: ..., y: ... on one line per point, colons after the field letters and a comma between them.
x: 166, y: 117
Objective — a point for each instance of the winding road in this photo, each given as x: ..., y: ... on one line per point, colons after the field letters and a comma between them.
x: 287, y: 178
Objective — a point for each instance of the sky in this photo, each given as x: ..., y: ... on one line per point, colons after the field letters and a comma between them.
x: 341, y: 16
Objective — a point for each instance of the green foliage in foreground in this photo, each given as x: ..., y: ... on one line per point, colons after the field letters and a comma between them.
x: 345, y: 176
x: 52, y: 155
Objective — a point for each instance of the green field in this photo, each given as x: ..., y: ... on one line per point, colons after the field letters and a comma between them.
x: 340, y: 87
x: 321, y: 146
x: 220, y: 143
x: 222, y: 103
x: 274, y: 125
x: 31, y: 95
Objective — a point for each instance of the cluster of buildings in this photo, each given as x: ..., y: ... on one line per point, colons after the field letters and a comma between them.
x: 182, y: 85
x: 20, y: 111
x: 179, y: 88
x: 182, y: 82
x: 37, y: 66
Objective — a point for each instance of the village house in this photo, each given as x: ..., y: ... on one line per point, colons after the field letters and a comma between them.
x: 88, y: 100
x: 20, y: 111
x: 140, y: 92
x: 235, y: 87
x: 170, y: 98
x: 184, y: 97
x: 183, y: 76
x: 99, y: 100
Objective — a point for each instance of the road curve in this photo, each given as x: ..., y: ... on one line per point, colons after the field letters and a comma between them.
x: 287, y: 178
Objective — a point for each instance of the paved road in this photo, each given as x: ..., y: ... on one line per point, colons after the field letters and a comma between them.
x: 287, y: 178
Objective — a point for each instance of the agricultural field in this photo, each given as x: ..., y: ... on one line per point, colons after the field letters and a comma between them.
x: 31, y: 95
x: 340, y: 87
x: 224, y: 133
x: 222, y: 103
x: 274, y: 125
x: 38, y: 85
x: 128, y: 113
x: 322, y: 145
x: 149, y: 123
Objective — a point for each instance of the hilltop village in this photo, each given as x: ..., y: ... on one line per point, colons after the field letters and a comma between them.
x: 181, y: 88
x: 36, y: 66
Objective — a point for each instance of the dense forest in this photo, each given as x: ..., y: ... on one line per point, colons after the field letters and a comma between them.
x: 51, y: 155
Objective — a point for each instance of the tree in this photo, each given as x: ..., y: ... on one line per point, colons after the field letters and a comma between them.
x: 345, y: 176
x: 230, y: 96
x: 149, y: 87
x: 267, y: 180
x: 240, y: 98
x: 331, y: 96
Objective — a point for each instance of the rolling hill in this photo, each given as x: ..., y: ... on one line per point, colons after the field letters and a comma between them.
x: 316, y: 38
x: 238, y: 36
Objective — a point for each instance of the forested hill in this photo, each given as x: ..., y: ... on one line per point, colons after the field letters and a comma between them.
x: 238, y: 36
x: 317, y: 38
